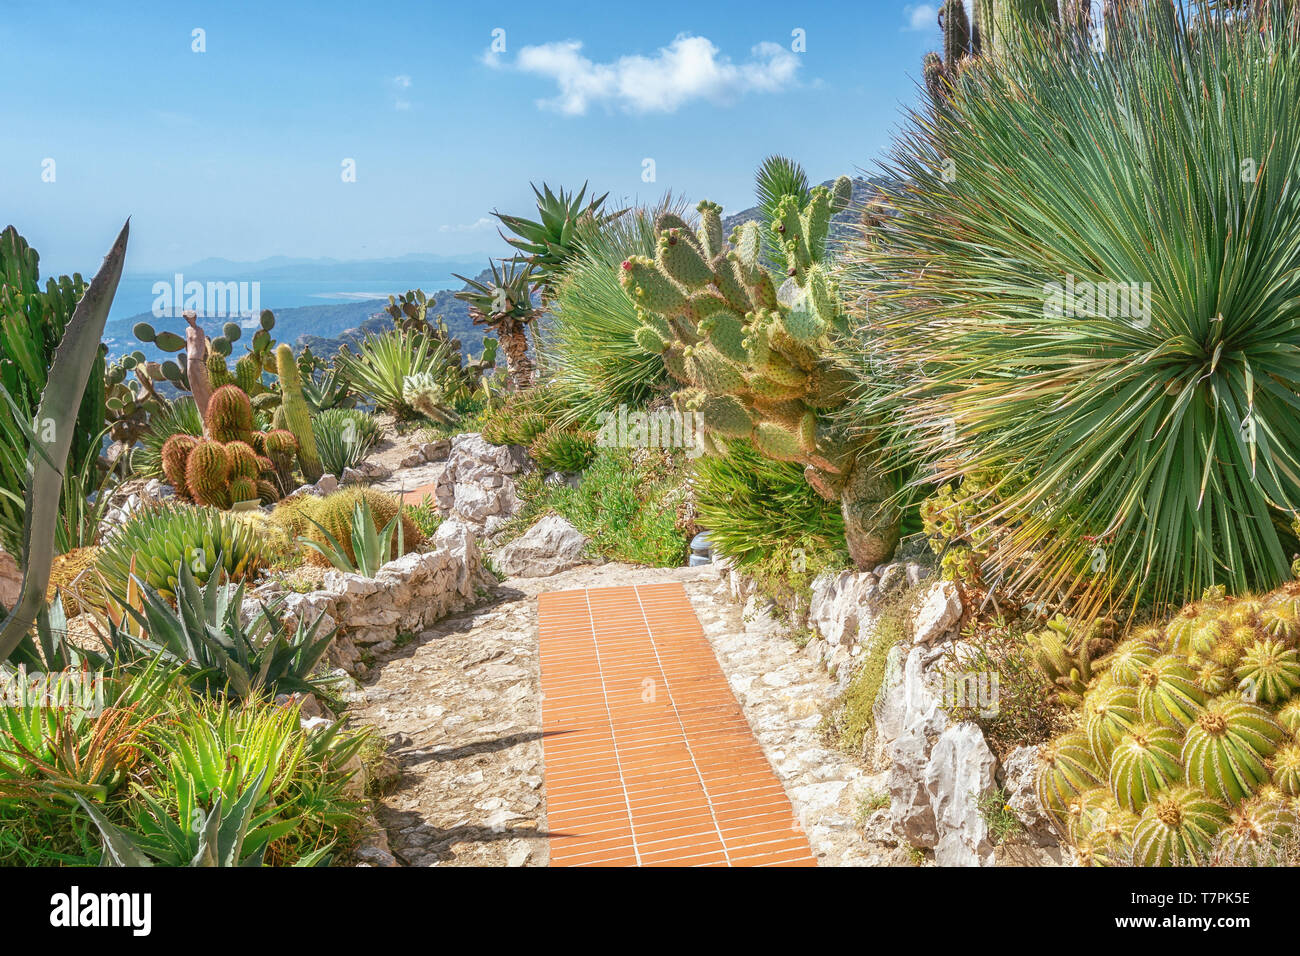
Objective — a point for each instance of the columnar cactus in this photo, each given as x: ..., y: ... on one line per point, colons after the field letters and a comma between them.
x: 297, y: 417
x: 754, y: 359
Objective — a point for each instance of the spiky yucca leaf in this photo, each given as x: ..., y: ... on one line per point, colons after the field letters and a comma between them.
x: 1177, y: 828
x: 1225, y: 749
x: 1172, y: 440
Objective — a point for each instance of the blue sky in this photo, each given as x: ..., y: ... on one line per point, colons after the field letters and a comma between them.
x: 238, y: 151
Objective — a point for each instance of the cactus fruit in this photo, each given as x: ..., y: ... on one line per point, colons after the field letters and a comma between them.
x: 296, y: 416
x: 207, y: 474
x: 1109, y: 712
x: 1167, y: 693
x: 1146, y: 761
x: 1226, y: 747
x: 1066, y: 768
x: 755, y: 361
x: 1271, y: 669
x: 1177, y: 828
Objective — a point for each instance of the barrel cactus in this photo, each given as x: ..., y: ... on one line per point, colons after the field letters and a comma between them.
x: 1226, y: 748
x: 1145, y: 761
x: 1178, y: 828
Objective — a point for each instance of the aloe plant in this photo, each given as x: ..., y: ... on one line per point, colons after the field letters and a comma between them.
x: 55, y: 426
x: 372, y: 547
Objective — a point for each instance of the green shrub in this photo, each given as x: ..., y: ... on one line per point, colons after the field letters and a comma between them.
x: 626, y: 504
x: 1158, y: 443
x: 344, y: 436
x: 564, y: 449
x: 763, y: 515
x: 160, y: 539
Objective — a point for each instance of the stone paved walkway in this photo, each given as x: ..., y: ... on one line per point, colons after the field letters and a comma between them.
x: 649, y: 760
x: 460, y: 707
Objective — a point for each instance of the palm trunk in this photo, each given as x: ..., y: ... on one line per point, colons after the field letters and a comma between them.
x: 518, y: 365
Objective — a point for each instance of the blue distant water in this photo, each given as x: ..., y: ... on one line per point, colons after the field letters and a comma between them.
x: 135, y: 294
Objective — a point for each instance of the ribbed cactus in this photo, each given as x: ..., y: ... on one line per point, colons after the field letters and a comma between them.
x: 230, y: 415
x: 754, y: 359
x: 207, y: 474
x: 1066, y: 768
x: 175, y: 458
x: 1109, y: 712
x: 1217, y: 733
x: 297, y: 417
x: 1146, y: 761
x: 1177, y: 828
x: 1167, y: 693
x: 1226, y: 747
x: 1270, y: 669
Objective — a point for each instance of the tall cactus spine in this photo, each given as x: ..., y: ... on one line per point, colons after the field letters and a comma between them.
x: 297, y: 417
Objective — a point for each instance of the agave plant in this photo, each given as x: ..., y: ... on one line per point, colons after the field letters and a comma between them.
x: 344, y: 436
x: 1055, y: 307
x: 48, y: 436
x: 550, y: 244
x: 505, y: 304
x: 205, y: 635
x: 155, y: 543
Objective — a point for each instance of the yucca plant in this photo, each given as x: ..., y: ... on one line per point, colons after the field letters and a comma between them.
x: 1089, y: 281
x: 593, y: 347
x: 326, y: 389
x: 344, y: 436
x: 368, y: 549
x: 385, y: 361
x: 160, y: 540
x: 505, y: 304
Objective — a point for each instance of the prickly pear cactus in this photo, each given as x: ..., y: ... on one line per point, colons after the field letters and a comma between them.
x: 754, y: 358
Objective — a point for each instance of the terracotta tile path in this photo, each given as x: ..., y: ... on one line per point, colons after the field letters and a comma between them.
x: 649, y: 759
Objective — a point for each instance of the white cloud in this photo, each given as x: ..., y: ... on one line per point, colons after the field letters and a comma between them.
x: 481, y: 223
x: 401, y: 83
x: 921, y: 17
x: 689, y: 68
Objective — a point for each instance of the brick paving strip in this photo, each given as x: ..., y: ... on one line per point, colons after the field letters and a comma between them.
x: 649, y: 758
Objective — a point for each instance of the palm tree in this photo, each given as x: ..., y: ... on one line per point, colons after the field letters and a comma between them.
x: 505, y: 304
